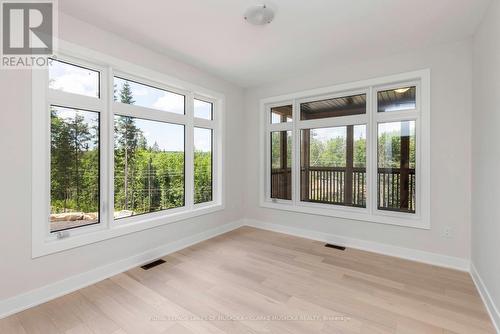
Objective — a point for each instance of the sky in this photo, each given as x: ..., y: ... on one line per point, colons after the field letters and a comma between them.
x: 170, y: 137
x: 325, y: 134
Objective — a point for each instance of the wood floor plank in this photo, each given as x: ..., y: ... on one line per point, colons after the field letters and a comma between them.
x: 255, y: 281
x: 12, y: 325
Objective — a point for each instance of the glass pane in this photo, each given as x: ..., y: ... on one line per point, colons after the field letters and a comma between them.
x: 396, y: 166
x: 399, y: 99
x: 281, y: 114
x: 281, y: 165
x: 203, y: 109
x: 202, y: 165
x: 74, y: 168
x: 149, y: 166
x: 131, y: 92
x: 73, y: 79
x: 333, y: 165
x: 337, y: 107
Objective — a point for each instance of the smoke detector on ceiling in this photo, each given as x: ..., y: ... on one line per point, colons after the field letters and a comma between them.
x: 259, y: 15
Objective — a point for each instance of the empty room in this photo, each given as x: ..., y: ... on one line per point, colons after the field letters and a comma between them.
x: 236, y: 166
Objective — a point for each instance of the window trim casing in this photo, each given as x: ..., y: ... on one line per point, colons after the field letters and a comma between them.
x: 421, y: 219
x: 44, y: 243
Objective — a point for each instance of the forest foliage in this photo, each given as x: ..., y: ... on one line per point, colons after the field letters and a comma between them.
x: 332, y: 151
x: 146, y: 179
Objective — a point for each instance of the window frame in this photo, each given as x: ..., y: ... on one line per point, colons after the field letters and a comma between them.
x: 43, y: 241
x: 421, y: 115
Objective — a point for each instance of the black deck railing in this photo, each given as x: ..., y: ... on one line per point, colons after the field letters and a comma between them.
x: 281, y: 183
x: 330, y: 185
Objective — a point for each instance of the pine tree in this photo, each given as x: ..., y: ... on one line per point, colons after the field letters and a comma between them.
x: 127, y: 140
x: 127, y: 137
x: 80, y: 135
x: 126, y: 95
x: 61, y: 164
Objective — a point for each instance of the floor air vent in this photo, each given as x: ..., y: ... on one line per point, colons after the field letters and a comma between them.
x: 335, y: 246
x: 152, y: 264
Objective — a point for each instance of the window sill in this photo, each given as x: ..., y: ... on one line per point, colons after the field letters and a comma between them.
x: 359, y: 214
x: 96, y: 233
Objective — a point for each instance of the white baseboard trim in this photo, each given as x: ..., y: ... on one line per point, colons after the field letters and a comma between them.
x: 488, y: 301
x: 57, y: 289
x: 396, y: 251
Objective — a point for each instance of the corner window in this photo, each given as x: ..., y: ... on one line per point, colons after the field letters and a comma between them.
x: 358, y: 153
x: 116, y: 152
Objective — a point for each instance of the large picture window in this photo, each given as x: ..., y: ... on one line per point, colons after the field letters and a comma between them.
x: 358, y: 151
x: 116, y: 149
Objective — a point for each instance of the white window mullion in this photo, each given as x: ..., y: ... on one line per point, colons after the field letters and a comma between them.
x: 109, y: 200
x: 76, y: 101
x: 281, y: 127
x: 131, y: 110
x: 189, y: 153
x: 372, y: 153
x: 204, y: 123
x: 296, y: 153
x: 333, y: 122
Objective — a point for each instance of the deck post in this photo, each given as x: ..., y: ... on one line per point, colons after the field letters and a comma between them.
x: 285, y: 187
x: 305, y: 162
x: 349, y: 170
x: 405, y: 166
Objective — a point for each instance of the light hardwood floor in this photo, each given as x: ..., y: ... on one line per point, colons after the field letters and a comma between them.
x: 255, y: 281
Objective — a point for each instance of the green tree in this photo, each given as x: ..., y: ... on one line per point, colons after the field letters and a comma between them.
x: 80, y: 135
x: 61, y: 166
x: 126, y: 95
x: 74, y: 162
x: 202, y: 176
x: 127, y: 140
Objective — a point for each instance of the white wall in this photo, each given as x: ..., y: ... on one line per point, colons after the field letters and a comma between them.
x: 486, y: 154
x: 19, y: 273
x: 450, y: 155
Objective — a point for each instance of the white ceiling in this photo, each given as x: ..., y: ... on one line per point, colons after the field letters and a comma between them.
x: 212, y: 35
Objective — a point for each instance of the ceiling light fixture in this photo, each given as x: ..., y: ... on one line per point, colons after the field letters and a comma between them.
x: 259, y: 15
x: 402, y: 90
